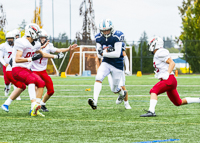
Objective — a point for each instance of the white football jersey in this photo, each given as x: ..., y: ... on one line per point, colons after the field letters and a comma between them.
x: 159, y: 62
x: 5, y: 53
x: 41, y: 64
x: 22, y: 44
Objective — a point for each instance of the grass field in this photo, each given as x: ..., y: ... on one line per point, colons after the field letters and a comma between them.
x: 71, y: 119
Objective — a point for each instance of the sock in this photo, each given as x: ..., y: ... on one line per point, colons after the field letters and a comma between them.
x: 38, y: 100
x: 192, y: 100
x: 121, y: 93
x: 97, y: 90
x: 153, y: 103
x: 8, y: 101
x: 7, y: 86
x: 42, y: 103
x: 14, y: 87
x: 32, y: 105
x: 126, y: 102
x: 31, y: 91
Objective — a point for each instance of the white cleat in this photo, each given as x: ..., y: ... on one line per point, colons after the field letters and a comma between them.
x: 127, y: 106
x: 120, y: 99
x: 18, y: 98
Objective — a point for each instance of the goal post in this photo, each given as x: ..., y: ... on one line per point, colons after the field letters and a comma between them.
x: 85, y: 58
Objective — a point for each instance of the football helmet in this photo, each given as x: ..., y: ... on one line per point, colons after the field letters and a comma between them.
x: 32, y: 30
x: 106, y: 24
x: 10, y: 35
x: 43, y: 34
x: 16, y: 32
x: 155, y: 43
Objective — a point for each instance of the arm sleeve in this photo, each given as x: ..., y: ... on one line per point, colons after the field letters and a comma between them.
x: 126, y: 63
x: 97, y: 47
x: 164, y: 55
x: 116, y: 53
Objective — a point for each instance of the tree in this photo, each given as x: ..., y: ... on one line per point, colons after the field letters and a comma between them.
x: 88, y: 20
x: 2, y: 24
x: 191, y: 33
x: 173, y: 50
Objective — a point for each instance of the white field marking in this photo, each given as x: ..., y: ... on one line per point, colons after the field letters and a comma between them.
x: 103, y: 121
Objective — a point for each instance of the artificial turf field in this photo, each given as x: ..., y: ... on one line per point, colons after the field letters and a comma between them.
x: 71, y: 119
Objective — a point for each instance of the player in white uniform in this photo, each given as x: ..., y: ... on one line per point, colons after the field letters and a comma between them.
x: 164, y: 66
x: 5, y: 56
x: 109, y: 46
x: 122, y: 80
x: 17, y: 33
x: 39, y: 66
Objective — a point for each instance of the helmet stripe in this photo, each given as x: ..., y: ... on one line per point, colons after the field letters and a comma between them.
x: 104, y: 23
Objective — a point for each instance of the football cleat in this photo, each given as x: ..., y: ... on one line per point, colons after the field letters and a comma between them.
x: 35, y: 109
x: 120, y: 99
x: 44, y: 109
x: 40, y: 114
x: 5, y: 107
x: 18, y: 98
x: 6, y: 91
x: 92, y: 103
x: 148, y: 114
x: 127, y: 106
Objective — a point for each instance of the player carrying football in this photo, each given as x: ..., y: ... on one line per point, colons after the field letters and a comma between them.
x: 164, y: 66
x: 109, y: 46
x: 39, y: 66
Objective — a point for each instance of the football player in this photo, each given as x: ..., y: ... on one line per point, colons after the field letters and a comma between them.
x: 5, y: 56
x: 17, y: 33
x: 39, y: 66
x: 164, y: 66
x: 122, y: 80
x: 109, y: 46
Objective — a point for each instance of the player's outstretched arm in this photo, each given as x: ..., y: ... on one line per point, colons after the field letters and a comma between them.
x: 116, y: 53
x: 71, y: 47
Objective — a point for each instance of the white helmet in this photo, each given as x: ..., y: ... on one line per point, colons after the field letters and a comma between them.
x: 43, y: 33
x: 16, y: 32
x: 10, y: 35
x: 106, y: 24
x: 155, y: 43
x: 32, y: 30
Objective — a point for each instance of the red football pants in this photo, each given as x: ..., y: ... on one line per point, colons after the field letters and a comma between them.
x: 18, y: 84
x: 26, y: 76
x: 48, y: 81
x: 168, y: 86
x: 6, y: 80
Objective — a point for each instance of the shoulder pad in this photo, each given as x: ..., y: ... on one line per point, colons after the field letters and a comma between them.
x: 161, y: 53
x: 119, y: 35
x: 98, y: 35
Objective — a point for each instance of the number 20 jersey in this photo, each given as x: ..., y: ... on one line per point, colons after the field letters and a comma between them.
x: 117, y: 36
x: 22, y: 44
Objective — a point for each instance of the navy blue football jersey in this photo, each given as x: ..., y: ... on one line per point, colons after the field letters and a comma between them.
x: 118, y: 36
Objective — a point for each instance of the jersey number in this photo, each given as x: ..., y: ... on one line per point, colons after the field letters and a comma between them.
x: 29, y: 54
x: 10, y: 53
x: 41, y: 60
x: 154, y: 65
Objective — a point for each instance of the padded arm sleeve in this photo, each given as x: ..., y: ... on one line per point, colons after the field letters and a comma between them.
x: 126, y: 63
x: 116, y: 53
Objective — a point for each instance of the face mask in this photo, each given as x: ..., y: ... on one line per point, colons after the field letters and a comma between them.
x: 35, y: 39
x: 10, y: 42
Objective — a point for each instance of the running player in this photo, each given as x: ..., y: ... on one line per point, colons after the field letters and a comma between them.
x: 39, y: 66
x: 109, y: 46
x: 164, y: 66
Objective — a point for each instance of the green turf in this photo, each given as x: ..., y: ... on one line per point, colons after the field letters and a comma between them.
x: 71, y: 119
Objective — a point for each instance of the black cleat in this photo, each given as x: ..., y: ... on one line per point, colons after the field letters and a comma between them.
x: 91, y: 102
x: 44, y: 109
x: 148, y: 114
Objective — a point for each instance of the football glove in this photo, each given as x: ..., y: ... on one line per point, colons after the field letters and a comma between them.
x: 100, y: 51
x: 35, y: 57
x: 59, y: 56
x: 111, y: 49
x: 127, y: 72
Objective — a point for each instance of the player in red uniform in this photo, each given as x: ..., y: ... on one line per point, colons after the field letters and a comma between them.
x: 164, y: 66
x: 39, y: 66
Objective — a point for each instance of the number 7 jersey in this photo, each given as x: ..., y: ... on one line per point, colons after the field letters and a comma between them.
x: 5, y: 53
x: 22, y: 44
